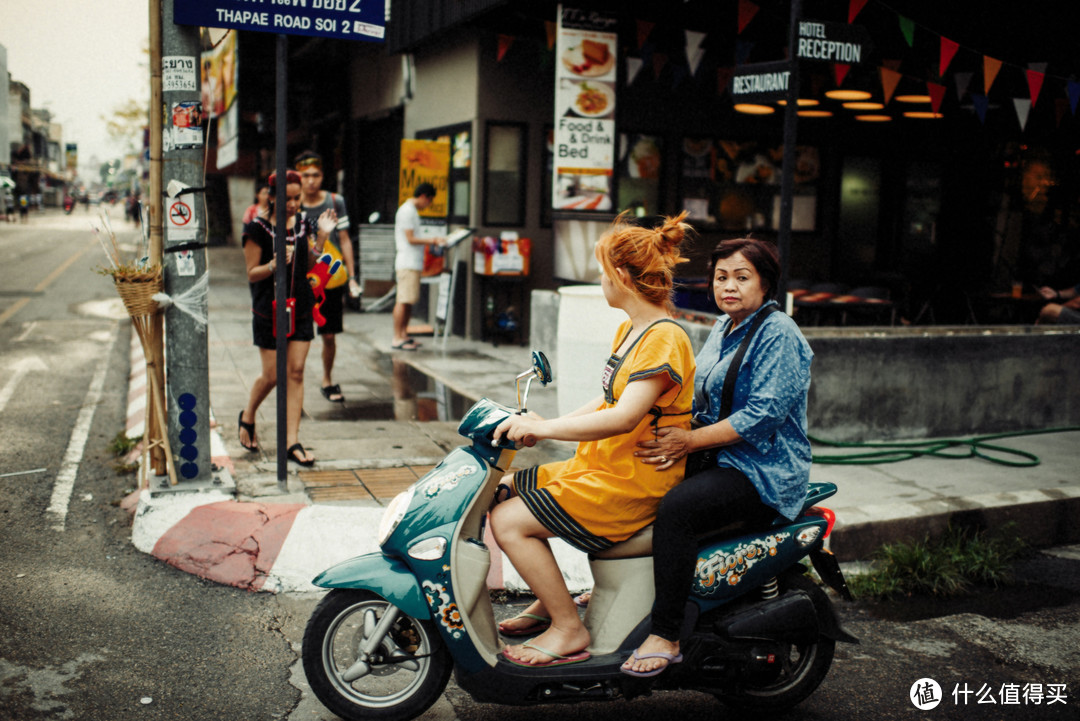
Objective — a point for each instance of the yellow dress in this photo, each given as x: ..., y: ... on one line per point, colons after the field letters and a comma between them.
x: 604, y: 494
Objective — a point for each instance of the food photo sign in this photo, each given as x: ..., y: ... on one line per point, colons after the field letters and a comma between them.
x: 585, y: 139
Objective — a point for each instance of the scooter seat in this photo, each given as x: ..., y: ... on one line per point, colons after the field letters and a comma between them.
x: 638, y: 545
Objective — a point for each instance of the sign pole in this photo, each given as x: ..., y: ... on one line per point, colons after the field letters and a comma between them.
x: 281, y: 150
x: 787, y: 173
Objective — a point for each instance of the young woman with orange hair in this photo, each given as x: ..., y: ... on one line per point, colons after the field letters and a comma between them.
x: 603, y: 495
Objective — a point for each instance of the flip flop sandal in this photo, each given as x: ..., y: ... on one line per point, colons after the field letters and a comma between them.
x: 671, y: 659
x: 334, y: 390
x: 582, y: 601
x: 542, y: 624
x: 405, y: 345
x: 556, y: 659
x: 296, y: 454
x: 250, y: 429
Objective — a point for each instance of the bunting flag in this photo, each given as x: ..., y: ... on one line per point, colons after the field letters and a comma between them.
x: 742, y: 51
x: 991, y: 67
x: 889, y: 80
x: 963, y: 81
x: 840, y: 70
x: 747, y: 11
x: 907, y: 27
x: 551, y: 28
x: 1035, y: 81
x: 694, y: 51
x: 723, y: 79
x: 505, y: 41
x: 854, y: 8
x: 659, y: 61
x: 892, y: 64
x: 644, y: 27
x: 633, y: 67
x: 981, y: 103
x: 937, y: 94
x: 1023, y: 108
x: 948, y: 50
x: 1073, y: 89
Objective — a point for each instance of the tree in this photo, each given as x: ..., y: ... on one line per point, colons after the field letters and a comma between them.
x: 127, y: 123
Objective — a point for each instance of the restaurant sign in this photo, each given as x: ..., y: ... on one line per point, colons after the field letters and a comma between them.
x: 832, y: 42
x: 584, y: 138
x: 761, y: 82
x: 342, y: 19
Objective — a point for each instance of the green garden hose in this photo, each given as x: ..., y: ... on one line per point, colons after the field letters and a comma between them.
x: 947, y: 448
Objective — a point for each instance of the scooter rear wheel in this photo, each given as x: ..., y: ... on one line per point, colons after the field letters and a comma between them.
x: 404, y: 675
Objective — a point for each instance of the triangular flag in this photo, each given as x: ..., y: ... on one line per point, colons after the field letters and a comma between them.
x: 505, y: 41
x: 963, y: 80
x: 937, y: 94
x: 693, y: 42
x: 550, y: 28
x: 948, y: 50
x: 742, y: 50
x: 659, y: 60
x: 889, y: 80
x: 981, y: 103
x: 840, y: 70
x: 723, y: 79
x: 892, y: 64
x: 747, y: 11
x: 854, y: 8
x: 644, y: 27
x: 1035, y: 81
x: 1023, y: 108
x: 1073, y: 89
x: 991, y: 67
x: 633, y: 67
x: 694, y: 60
x: 907, y: 27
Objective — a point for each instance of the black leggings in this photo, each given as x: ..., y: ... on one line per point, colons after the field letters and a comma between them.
x: 700, y: 505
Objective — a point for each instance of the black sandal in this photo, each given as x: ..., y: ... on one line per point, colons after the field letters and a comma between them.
x: 334, y: 390
x: 250, y: 428
x: 296, y: 454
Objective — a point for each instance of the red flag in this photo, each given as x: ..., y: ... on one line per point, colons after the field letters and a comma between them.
x: 659, y: 61
x: 644, y: 27
x: 841, y: 71
x: 747, y: 11
x: 854, y: 8
x: 1035, y: 81
x: 937, y: 94
x: 889, y: 80
x: 948, y: 50
x: 505, y: 41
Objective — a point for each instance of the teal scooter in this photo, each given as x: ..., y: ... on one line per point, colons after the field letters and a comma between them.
x: 383, y: 642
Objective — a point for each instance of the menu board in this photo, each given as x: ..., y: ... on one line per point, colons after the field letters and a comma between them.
x: 585, y: 138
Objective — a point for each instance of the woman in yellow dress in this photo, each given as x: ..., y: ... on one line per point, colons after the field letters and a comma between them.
x: 604, y: 494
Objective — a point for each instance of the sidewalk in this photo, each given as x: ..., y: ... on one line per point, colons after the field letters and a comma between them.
x: 263, y: 539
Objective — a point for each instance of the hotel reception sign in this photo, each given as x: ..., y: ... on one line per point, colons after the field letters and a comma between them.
x: 832, y: 42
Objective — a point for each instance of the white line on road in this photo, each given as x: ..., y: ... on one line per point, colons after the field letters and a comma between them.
x: 20, y: 369
x: 65, y: 478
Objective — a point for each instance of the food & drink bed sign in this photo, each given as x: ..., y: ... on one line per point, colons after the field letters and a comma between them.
x: 344, y: 19
x: 584, y: 140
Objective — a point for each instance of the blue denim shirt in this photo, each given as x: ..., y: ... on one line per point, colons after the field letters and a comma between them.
x: 769, y: 407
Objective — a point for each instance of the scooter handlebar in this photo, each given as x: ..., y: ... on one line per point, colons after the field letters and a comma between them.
x: 529, y: 440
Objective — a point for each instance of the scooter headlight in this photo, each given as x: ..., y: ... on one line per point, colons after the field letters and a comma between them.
x: 393, y: 514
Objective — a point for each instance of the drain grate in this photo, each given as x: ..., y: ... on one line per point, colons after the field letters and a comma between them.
x: 360, y: 484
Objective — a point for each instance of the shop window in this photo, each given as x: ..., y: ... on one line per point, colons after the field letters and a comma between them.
x: 504, y: 174
x: 735, y: 186
x: 459, y: 187
x: 639, y: 173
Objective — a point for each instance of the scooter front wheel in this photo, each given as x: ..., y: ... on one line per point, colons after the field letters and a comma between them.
x: 366, y: 660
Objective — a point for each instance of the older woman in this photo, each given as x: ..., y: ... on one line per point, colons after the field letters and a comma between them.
x: 751, y: 447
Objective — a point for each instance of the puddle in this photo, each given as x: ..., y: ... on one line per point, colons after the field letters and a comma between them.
x: 416, y: 397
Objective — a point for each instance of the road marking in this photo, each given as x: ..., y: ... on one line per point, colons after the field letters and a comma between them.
x: 20, y: 369
x: 57, y: 271
x: 65, y: 478
x: 23, y: 473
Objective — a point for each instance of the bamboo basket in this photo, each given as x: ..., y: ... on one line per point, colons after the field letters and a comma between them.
x: 137, y: 289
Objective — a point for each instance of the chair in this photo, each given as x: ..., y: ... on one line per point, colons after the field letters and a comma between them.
x: 816, y: 300
x: 876, y: 301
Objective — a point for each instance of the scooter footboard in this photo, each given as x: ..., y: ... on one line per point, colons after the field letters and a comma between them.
x: 388, y: 577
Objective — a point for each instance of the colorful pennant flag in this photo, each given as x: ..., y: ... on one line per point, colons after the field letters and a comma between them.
x: 1023, y: 109
x: 840, y: 70
x: 633, y: 67
x: 659, y: 61
x: 1073, y: 89
x: 981, y: 103
x: 694, y: 51
x: 991, y: 66
x: 505, y: 41
x: 854, y: 8
x: 1035, y: 81
x: 937, y: 94
x: 747, y: 11
x: 644, y: 27
x: 963, y: 81
x: 723, y: 79
x: 948, y: 50
x: 889, y: 80
x: 907, y: 27
x: 551, y: 29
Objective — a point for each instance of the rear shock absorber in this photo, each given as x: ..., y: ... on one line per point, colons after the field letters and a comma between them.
x: 770, y: 589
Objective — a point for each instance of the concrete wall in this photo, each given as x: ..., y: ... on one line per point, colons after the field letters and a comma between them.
x: 875, y: 384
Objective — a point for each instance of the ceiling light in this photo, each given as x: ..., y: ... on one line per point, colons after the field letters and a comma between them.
x: 863, y: 106
x: 912, y: 98
x: 922, y: 114
x: 752, y: 109
x: 815, y: 113
x: 847, y: 94
x: 801, y: 102
x: 873, y: 118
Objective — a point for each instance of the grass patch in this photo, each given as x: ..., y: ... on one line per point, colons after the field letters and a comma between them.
x: 120, y: 446
x: 950, y: 566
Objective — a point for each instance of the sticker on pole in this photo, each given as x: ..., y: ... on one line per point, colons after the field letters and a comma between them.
x: 182, y: 224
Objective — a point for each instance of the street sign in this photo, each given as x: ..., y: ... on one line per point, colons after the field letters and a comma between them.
x: 832, y: 42
x: 342, y: 19
x: 761, y: 82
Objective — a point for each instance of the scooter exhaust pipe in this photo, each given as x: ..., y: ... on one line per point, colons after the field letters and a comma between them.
x: 790, y: 617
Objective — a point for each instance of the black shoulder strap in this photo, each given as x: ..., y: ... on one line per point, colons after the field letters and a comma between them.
x: 727, y: 397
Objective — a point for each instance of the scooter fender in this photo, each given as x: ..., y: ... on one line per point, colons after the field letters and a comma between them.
x: 388, y: 577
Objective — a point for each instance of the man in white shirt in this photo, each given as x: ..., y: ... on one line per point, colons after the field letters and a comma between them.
x: 409, y: 261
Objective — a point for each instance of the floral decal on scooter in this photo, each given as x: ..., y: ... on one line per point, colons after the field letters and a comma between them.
x: 444, y: 482
x: 730, y: 565
x: 445, y: 610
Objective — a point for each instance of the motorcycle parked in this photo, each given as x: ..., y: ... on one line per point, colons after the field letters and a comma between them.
x: 382, y: 644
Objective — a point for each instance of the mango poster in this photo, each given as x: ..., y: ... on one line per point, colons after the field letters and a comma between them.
x: 425, y: 161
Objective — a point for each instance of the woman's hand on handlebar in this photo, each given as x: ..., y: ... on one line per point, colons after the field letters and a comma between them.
x: 519, y: 429
x: 671, y: 444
